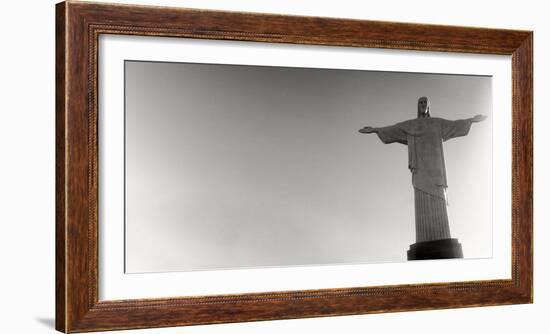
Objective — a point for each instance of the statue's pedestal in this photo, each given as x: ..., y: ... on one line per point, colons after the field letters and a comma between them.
x: 435, y: 249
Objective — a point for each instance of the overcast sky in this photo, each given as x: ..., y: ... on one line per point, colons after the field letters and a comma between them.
x: 252, y: 166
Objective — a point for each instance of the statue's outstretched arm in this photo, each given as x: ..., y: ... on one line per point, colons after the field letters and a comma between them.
x: 458, y: 128
x: 388, y: 134
x: 368, y: 129
x: 478, y: 118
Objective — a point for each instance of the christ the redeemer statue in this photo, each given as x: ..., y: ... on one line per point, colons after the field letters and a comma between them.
x: 424, y: 137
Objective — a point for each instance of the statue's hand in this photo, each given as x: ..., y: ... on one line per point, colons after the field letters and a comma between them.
x: 479, y: 118
x: 368, y: 129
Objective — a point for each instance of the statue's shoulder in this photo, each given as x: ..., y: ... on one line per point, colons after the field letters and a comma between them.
x: 441, y: 120
x: 408, y: 124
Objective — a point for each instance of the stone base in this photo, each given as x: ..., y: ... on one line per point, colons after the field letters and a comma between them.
x: 435, y: 249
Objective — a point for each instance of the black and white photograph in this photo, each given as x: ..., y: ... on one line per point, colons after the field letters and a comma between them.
x: 236, y: 166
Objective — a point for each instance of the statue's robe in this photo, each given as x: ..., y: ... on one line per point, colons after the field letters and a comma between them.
x: 424, y: 138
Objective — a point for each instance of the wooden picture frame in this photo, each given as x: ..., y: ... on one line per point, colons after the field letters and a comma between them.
x: 78, y: 26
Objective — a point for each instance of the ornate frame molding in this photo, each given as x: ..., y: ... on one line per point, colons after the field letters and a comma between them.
x: 78, y: 26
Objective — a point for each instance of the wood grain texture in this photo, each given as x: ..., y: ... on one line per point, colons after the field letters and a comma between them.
x: 78, y: 26
x: 60, y: 98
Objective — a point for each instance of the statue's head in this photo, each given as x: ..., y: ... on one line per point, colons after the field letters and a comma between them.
x: 423, y: 107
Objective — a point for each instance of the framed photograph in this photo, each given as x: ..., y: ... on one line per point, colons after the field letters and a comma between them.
x: 223, y: 167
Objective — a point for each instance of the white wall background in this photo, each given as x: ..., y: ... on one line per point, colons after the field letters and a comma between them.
x: 27, y: 165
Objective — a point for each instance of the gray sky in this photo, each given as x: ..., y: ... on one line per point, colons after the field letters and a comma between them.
x: 251, y: 166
